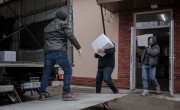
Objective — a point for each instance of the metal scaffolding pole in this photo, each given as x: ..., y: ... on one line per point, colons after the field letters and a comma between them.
x: 34, y: 38
x: 14, y: 33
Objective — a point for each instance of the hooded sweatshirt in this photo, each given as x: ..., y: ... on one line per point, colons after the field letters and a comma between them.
x: 106, y: 60
x: 151, y: 54
x: 57, y: 32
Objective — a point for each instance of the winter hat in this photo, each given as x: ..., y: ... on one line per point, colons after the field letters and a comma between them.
x: 60, y: 14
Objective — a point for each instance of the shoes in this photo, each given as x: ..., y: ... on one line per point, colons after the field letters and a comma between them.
x: 42, y: 97
x: 117, y: 92
x: 68, y: 97
x: 145, y: 93
x: 158, y: 90
x: 105, y: 105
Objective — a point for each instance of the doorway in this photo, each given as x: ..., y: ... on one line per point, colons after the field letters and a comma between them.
x: 162, y: 70
x: 157, y: 23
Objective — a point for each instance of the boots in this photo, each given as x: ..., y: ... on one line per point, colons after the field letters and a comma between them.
x: 158, y: 90
x: 145, y: 93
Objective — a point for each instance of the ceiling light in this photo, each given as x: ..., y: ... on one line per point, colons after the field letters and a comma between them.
x: 154, y: 5
x: 163, y: 17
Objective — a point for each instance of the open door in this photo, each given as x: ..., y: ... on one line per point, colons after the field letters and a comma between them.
x: 171, y: 61
x: 132, y: 60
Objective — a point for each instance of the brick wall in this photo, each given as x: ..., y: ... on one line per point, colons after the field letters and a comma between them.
x: 125, y: 23
x: 87, y: 81
x: 83, y: 81
x: 176, y: 16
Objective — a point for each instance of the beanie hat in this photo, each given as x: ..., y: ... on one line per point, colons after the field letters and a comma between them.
x: 60, y: 14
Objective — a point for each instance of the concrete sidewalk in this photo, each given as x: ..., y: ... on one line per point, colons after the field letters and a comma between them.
x: 163, y: 95
x: 133, y: 101
x: 136, y: 102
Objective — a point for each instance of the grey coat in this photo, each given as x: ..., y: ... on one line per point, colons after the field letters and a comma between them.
x: 57, y: 33
x: 153, y: 54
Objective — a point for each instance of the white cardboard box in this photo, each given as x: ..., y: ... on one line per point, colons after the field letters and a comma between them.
x: 142, y: 40
x: 7, y: 55
x: 102, y: 42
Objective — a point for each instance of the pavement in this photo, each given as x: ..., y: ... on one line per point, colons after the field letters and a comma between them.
x: 132, y: 101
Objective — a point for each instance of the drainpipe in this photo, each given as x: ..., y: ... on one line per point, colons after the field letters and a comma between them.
x: 102, y: 15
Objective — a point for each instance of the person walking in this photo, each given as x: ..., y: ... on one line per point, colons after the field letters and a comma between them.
x: 149, y: 60
x: 56, y: 35
x: 106, y: 66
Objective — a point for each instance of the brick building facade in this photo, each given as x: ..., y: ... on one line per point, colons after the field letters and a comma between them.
x: 124, y: 48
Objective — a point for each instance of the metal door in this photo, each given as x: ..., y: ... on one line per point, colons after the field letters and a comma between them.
x: 133, y: 60
x: 171, y: 60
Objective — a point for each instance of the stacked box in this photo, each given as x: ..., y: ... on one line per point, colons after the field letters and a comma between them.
x: 7, y: 55
x: 102, y: 42
x: 142, y: 40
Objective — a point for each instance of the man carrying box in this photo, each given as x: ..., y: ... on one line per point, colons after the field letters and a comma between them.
x: 106, y: 65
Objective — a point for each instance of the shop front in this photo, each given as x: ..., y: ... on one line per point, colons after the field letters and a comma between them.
x: 143, y: 18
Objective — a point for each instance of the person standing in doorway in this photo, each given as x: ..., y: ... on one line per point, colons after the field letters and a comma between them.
x: 149, y: 60
x: 106, y: 66
x: 56, y: 35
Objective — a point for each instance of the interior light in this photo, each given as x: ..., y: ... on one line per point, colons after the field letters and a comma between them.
x: 163, y: 17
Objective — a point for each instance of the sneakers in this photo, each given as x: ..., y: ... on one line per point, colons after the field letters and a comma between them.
x: 42, y: 97
x: 68, y: 97
x: 145, y: 93
x: 117, y: 92
x: 158, y: 90
x: 105, y: 105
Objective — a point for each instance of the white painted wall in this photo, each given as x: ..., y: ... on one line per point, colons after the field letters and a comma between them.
x: 87, y: 27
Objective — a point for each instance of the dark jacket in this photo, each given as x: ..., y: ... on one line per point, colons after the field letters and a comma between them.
x: 106, y: 60
x: 153, y: 53
x: 57, y: 33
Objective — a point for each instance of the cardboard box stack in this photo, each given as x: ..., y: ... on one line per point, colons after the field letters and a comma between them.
x: 7, y: 56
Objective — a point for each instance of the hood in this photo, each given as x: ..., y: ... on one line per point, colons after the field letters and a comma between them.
x: 62, y: 15
x: 154, y: 40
